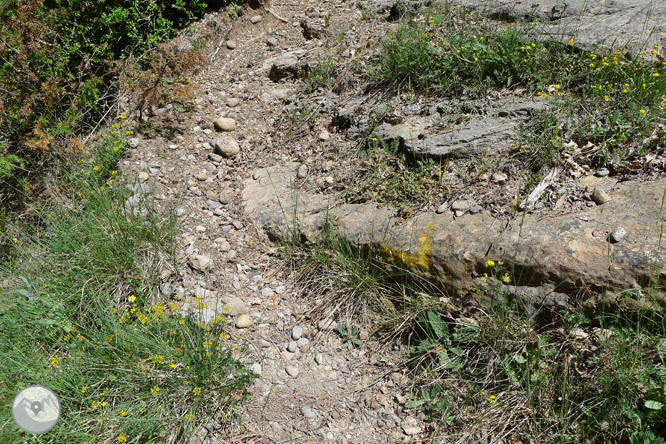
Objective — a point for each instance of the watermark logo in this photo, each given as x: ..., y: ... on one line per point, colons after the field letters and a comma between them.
x: 36, y: 409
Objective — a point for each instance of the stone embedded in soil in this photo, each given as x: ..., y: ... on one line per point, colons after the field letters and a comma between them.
x: 231, y: 44
x: 267, y: 292
x: 491, y: 132
x: 324, y: 136
x: 319, y: 358
x: 600, y: 197
x: 442, y: 208
x: 264, y: 343
x: 603, y: 172
x: 500, y: 177
x: 411, y: 426
x: 255, y: 19
x: 133, y: 142
x: 302, y: 172
x: 224, y: 245
x: 224, y: 124
x: 235, y: 306
x: 201, y: 262
x: 292, y: 371
x: 226, y: 146
x: 460, y: 205
x: 212, y: 205
x: 232, y: 102
x: 292, y: 347
x: 475, y: 209
x: 243, y: 321
x: 296, y: 333
x: 227, y: 196
x: 617, y: 234
x: 308, y: 412
x: 271, y: 41
x: 302, y: 342
x: 255, y: 368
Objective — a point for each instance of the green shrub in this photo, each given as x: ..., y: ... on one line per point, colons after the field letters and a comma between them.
x: 59, y: 59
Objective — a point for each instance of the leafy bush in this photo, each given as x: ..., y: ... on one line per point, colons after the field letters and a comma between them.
x: 59, y: 61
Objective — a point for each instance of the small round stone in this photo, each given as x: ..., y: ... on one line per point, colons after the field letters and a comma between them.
x: 603, y: 172
x: 475, y: 209
x: 243, y: 321
x: 600, y: 197
x: 225, y: 124
x: 231, y: 44
x: 292, y: 371
x: 302, y: 172
x: 296, y: 332
x: 308, y: 412
x: 292, y: 347
x: 617, y: 234
x: 271, y: 41
x: 460, y: 205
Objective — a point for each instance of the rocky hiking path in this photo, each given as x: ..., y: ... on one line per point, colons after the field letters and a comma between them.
x: 310, y: 388
x: 258, y: 156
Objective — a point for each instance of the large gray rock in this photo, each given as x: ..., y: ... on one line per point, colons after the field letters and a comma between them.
x: 488, y: 131
x: 290, y: 64
x: 558, y: 261
x: 617, y: 24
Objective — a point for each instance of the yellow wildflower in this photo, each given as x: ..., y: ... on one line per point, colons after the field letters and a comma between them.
x: 490, y: 263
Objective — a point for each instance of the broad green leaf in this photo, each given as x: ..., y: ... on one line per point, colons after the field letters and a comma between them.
x: 653, y: 405
x: 437, y: 324
x: 414, y: 404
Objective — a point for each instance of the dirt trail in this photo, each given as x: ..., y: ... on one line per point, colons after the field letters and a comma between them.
x: 310, y: 388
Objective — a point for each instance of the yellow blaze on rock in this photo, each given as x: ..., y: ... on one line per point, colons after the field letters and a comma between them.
x: 421, y: 258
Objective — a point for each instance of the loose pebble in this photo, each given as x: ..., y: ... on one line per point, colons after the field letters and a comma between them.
x: 292, y: 371
x: 308, y: 412
x: 296, y: 333
x: 600, y: 197
x: 243, y: 321
x: 617, y: 234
